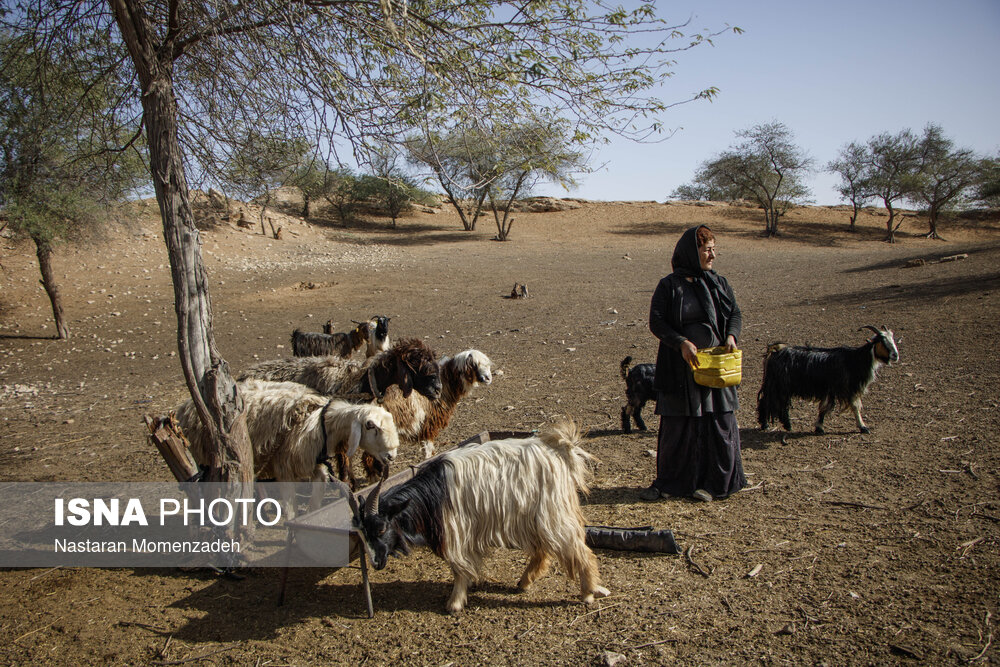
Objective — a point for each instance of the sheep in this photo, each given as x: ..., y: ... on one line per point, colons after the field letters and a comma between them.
x: 638, y: 390
x: 514, y: 493
x: 409, y: 363
x: 420, y: 420
x: 837, y: 375
x: 294, y: 430
x: 310, y: 344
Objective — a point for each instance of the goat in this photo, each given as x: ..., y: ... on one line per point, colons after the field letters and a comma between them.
x: 420, y: 420
x: 379, y: 339
x: 638, y: 390
x: 514, y: 493
x: 832, y: 376
x: 293, y: 431
x: 410, y: 363
x: 310, y: 344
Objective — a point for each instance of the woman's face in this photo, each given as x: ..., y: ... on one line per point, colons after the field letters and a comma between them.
x: 706, y: 255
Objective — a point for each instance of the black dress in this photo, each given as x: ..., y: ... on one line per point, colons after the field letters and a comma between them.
x: 699, y: 439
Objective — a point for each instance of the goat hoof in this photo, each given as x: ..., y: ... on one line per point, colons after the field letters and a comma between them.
x: 865, y: 429
x: 820, y: 430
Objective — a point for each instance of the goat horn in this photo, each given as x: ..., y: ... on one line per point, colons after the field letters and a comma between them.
x: 868, y: 326
x: 371, y: 503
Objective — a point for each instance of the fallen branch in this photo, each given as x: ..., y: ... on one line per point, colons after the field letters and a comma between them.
x: 697, y: 568
x: 989, y: 641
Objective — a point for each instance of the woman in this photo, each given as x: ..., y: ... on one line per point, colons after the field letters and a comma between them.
x: 698, y: 453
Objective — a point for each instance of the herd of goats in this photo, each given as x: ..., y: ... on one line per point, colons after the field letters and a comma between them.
x: 305, y: 412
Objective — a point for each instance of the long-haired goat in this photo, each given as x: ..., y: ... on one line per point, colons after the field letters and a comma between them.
x: 293, y: 429
x: 344, y: 344
x: 638, y: 390
x: 515, y: 493
x: 420, y: 420
x: 831, y: 376
x: 409, y: 363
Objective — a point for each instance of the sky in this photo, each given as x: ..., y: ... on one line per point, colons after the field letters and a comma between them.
x: 833, y: 72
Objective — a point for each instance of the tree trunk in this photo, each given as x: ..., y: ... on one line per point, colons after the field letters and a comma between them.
x: 891, y: 236
x: 206, y: 373
x: 44, y: 252
x: 306, y: 206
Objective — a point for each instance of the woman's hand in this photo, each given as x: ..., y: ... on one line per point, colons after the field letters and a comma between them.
x: 690, y: 353
x: 731, y: 343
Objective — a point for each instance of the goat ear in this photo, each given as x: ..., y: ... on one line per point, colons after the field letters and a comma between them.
x: 403, y: 378
x: 354, y: 440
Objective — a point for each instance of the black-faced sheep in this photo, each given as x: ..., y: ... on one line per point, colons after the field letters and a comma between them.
x: 420, y: 420
x: 831, y: 376
x: 294, y: 430
x: 409, y: 363
x: 515, y: 493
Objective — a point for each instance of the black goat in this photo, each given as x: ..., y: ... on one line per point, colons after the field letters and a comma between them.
x: 830, y: 375
x: 638, y: 390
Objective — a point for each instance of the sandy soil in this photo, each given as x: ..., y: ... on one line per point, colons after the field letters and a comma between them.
x: 879, y: 548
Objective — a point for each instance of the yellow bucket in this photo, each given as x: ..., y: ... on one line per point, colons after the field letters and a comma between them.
x: 718, y: 368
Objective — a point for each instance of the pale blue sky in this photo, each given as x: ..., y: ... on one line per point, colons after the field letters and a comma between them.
x: 833, y: 72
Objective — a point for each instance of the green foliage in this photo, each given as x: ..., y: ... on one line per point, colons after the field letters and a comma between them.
x: 764, y: 166
x: 987, y: 186
x: 945, y: 177
x: 64, y: 159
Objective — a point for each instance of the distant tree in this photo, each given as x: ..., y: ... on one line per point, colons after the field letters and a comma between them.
x: 309, y: 179
x: 986, y: 190
x: 852, y: 165
x: 354, y: 71
x: 340, y: 189
x: 765, y: 167
x: 461, y: 162
x: 389, y: 185
x: 892, y: 172
x: 946, y: 176
x: 529, y: 152
x: 60, y: 171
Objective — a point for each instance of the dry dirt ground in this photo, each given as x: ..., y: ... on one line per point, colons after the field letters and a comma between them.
x: 879, y: 548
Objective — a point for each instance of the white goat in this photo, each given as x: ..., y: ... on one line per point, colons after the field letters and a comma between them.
x: 292, y: 427
x: 515, y: 493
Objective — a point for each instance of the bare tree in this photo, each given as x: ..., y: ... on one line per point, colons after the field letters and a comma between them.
x: 359, y: 71
x: 852, y: 167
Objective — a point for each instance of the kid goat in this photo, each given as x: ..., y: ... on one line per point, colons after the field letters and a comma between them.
x: 831, y: 375
x: 515, y: 493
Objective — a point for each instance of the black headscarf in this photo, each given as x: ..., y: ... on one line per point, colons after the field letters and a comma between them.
x: 712, y: 294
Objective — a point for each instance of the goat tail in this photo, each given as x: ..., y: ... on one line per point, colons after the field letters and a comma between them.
x: 565, y: 437
x: 626, y: 362
x: 771, y: 399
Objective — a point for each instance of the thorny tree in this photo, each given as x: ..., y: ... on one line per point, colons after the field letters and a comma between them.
x: 58, y: 181
x: 357, y: 70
